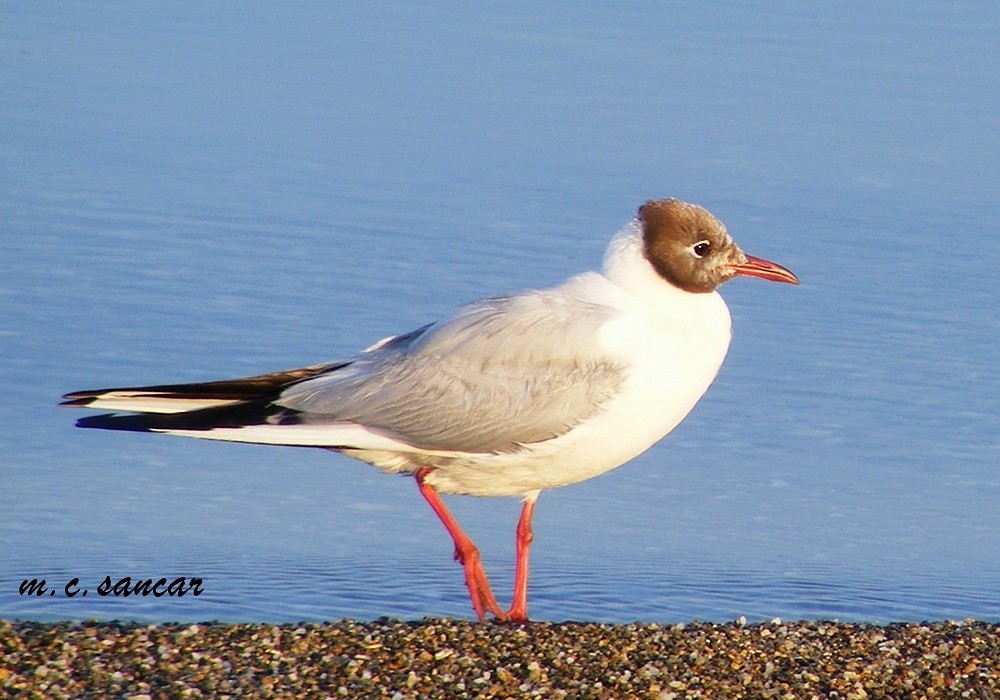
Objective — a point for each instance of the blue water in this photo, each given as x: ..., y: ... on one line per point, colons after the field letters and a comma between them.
x: 193, y: 192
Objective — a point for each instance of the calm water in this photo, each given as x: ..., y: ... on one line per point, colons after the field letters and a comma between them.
x: 190, y: 193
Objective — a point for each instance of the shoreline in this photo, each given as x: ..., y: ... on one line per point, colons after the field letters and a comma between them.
x: 448, y: 658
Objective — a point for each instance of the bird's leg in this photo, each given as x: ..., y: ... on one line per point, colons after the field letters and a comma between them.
x: 519, y: 610
x: 466, y: 553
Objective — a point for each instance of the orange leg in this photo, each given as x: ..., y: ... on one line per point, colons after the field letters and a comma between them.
x: 466, y: 553
x: 519, y: 610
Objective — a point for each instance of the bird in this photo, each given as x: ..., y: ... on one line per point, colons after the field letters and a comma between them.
x: 508, y: 396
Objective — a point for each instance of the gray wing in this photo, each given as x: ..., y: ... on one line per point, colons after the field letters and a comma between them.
x: 501, y: 373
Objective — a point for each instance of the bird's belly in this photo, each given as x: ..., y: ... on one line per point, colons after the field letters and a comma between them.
x: 664, y: 383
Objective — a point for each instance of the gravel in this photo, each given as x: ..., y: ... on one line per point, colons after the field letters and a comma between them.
x: 437, y: 658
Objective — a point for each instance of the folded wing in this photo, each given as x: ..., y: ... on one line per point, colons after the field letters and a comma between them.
x: 499, y: 374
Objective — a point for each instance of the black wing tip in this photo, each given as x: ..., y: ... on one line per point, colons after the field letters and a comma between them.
x: 115, y: 421
x: 249, y: 389
x: 236, y: 416
x: 78, y: 399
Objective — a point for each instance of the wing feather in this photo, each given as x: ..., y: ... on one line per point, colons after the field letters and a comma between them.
x: 501, y: 373
x: 182, y: 398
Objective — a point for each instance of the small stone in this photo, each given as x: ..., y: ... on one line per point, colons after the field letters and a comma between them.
x: 449, y: 658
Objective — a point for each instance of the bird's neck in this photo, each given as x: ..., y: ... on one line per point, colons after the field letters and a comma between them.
x: 626, y: 265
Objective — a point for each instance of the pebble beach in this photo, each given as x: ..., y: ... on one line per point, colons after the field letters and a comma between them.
x: 445, y: 658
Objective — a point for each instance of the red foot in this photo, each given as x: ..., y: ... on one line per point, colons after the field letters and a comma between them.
x: 466, y: 553
x: 519, y: 610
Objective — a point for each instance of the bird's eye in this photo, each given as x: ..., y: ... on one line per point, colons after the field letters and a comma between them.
x: 700, y: 249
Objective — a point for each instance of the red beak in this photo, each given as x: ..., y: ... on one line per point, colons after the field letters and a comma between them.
x: 765, y: 269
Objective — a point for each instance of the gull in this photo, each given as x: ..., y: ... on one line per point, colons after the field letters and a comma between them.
x: 508, y: 396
